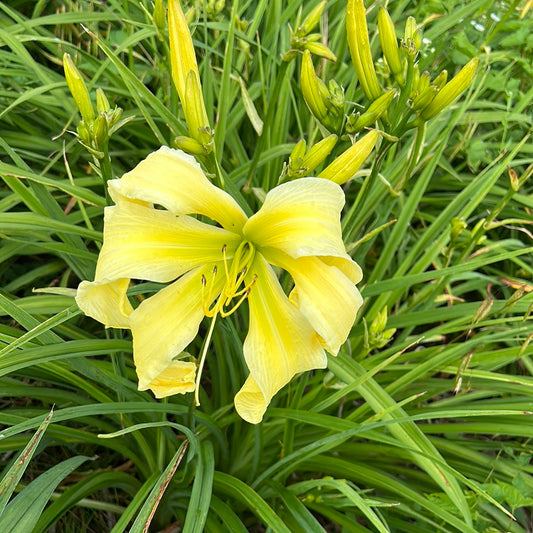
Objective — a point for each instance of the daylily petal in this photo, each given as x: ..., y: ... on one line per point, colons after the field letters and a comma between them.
x: 301, y: 218
x: 106, y: 301
x: 164, y: 324
x: 280, y: 343
x: 173, y: 179
x: 324, y: 295
x: 177, y: 378
x: 152, y: 244
x: 347, y: 265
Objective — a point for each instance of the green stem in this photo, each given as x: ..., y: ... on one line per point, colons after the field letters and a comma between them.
x: 414, y: 157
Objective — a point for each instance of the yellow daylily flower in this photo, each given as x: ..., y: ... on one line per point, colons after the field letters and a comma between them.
x: 211, y: 268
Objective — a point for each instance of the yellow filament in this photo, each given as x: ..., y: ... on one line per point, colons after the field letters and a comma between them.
x: 235, y: 277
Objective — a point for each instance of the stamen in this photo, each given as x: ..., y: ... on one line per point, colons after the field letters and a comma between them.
x: 244, y: 293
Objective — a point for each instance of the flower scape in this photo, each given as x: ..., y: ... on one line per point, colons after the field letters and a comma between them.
x: 170, y: 224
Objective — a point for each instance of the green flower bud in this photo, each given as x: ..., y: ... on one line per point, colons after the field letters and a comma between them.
x: 357, y: 35
x: 441, y: 79
x: 318, y: 153
x: 313, y: 18
x: 102, y: 103
x: 189, y: 145
x: 78, y: 89
x: 451, y: 90
x: 412, y: 36
x: 194, y: 110
x: 457, y: 227
x: 295, y: 168
x: 374, y: 111
x: 424, y: 98
x: 321, y: 50
x: 100, y: 132
x: 84, y: 132
x: 389, y: 44
x: 347, y: 164
x: 311, y: 90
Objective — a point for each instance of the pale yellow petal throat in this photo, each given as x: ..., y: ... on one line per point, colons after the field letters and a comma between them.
x: 212, y: 268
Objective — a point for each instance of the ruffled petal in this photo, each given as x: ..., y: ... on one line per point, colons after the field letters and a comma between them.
x: 301, y: 218
x: 173, y: 179
x: 152, y: 244
x: 280, y: 343
x: 106, y: 301
x: 176, y: 378
x: 164, y: 324
x: 347, y: 266
x: 324, y: 295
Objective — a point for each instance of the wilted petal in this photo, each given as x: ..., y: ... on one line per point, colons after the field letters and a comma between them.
x: 164, y: 324
x: 301, y: 218
x: 324, y: 295
x: 177, y: 378
x: 151, y: 244
x: 280, y: 343
x: 105, y: 301
x: 175, y: 180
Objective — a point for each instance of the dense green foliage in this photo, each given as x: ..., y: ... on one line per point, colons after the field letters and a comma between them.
x: 421, y: 424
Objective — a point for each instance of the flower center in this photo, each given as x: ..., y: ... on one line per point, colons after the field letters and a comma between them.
x: 234, y: 285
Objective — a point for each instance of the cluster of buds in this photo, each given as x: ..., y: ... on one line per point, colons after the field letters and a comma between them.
x: 187, y: 82
x: 327, y: 104
x: 424, y: 97
x: 377, y: 336
x: 303, y: 162
x: 94, y: 129
x: 302, y: 39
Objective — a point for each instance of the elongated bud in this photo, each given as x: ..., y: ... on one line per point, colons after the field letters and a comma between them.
x: 321, y: 50
x: 425, y: 97
x: 298, y: 153
x: 319, y: 152
x: 311, y: 90
x: 78, y: 89
x: 441, y: 79
x: 357, y: 34
x: 189, y: 145
x: 183, y: 62
x: 335, y: 99
x: 451, y: 90
x: 295, y: 168
x: 313, y: 18
x: 347, y: 164
x: 194, y: 110
x: 423, y: 82
x: 389, y: 44
x: 412, y: 36
x: 100, y: 132
x: 374, y: 111
x: 102, y: 103
x: 84, y: 133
